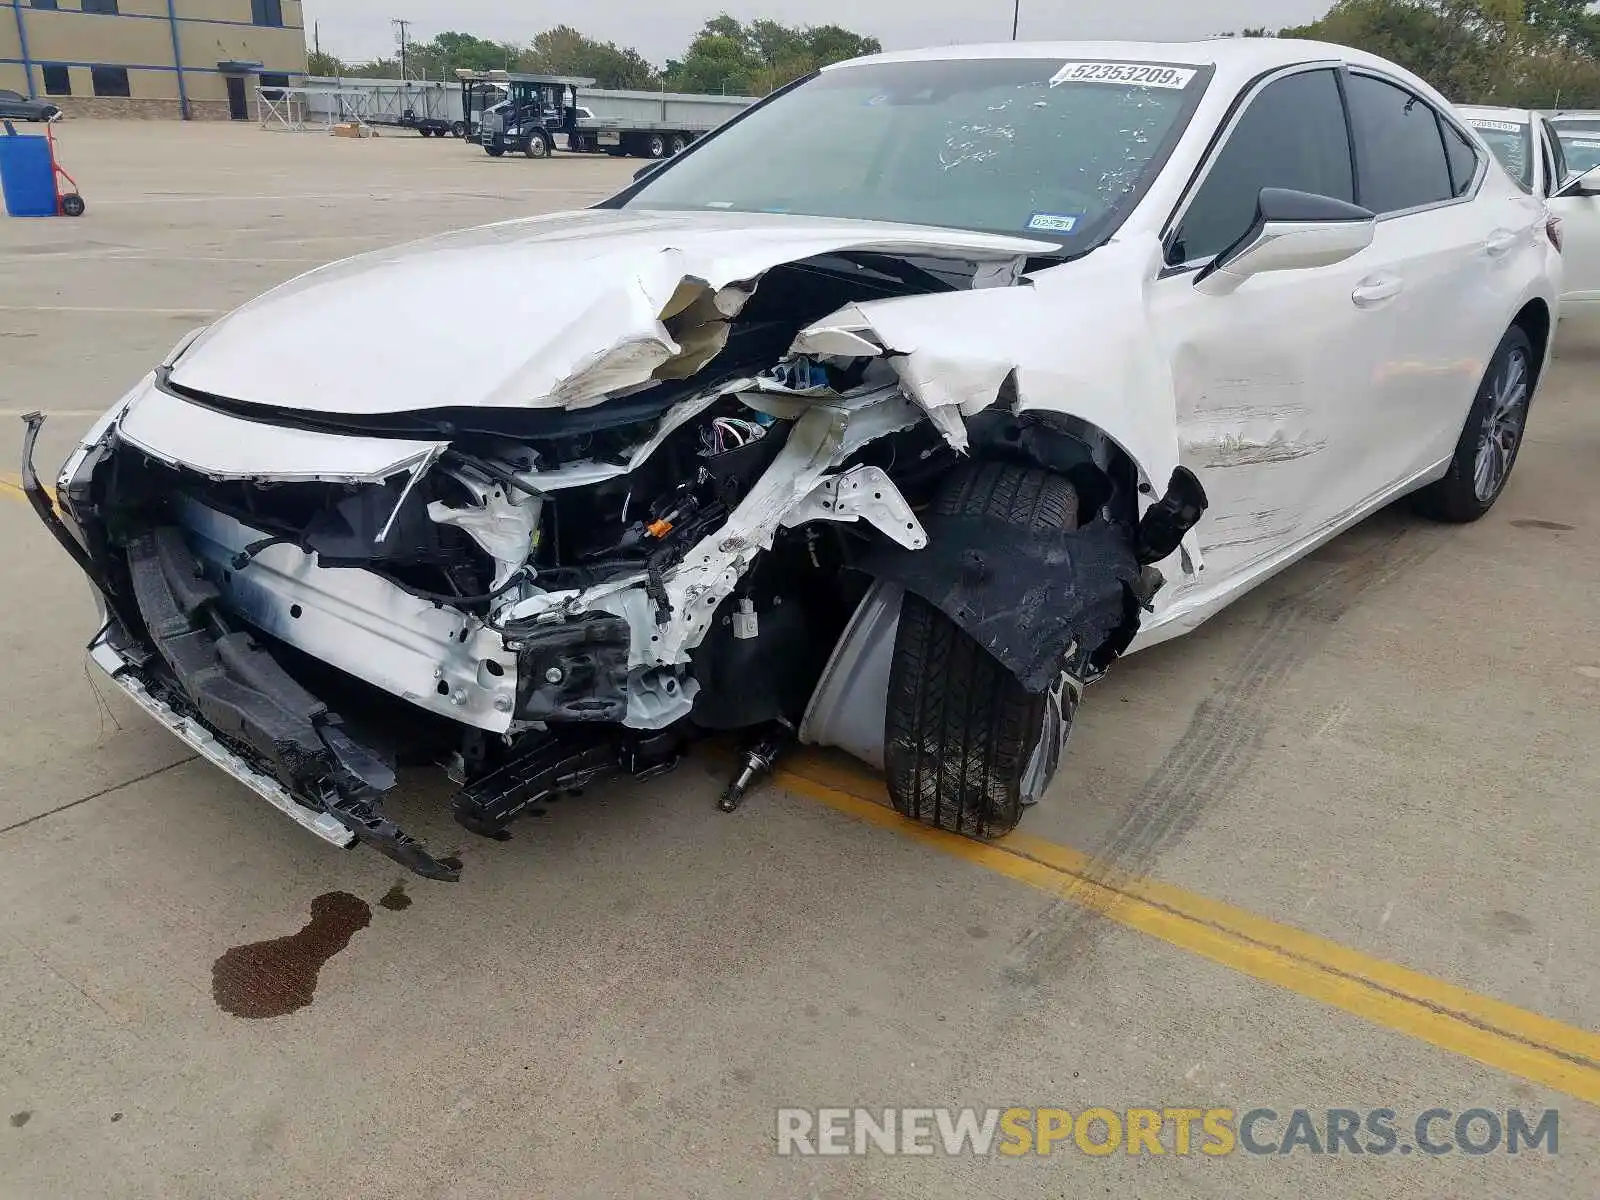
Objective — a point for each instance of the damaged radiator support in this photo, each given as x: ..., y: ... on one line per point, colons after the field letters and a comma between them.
x: 240, y: 690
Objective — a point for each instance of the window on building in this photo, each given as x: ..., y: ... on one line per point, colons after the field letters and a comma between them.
x: 50, y: 4
x: 108, y: 7
x: 110, y: 81
x: 57, y: 79
x: 267, y: 12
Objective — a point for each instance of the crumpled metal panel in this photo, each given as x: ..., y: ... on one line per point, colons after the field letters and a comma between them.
x: 574, y: 305
x: 437, y: 658
x: 1076, y: 340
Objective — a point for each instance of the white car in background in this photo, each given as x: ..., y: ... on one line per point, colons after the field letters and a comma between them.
x: 887, y: 416
x: 1579, y: 133
x: 1557, y: 164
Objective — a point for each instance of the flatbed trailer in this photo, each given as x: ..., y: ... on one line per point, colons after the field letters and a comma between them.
x: 643, y: 124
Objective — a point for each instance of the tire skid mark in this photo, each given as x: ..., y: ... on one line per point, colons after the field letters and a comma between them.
x: 1224, y: 736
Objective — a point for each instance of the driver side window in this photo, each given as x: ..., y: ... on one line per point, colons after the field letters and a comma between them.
x: 1293, y: 135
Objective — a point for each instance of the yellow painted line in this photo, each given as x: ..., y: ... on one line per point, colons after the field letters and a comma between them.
x: 11, y: 489
x: 1488, y: 1031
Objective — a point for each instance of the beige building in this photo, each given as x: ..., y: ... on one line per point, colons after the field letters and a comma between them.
x: 199, y: 59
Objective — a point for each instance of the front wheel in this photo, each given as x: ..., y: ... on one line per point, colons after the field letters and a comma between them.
x: 494, y: 151
x: 966, y: 747
x: 538, y: 146
x: 458, y: 130
x: 1491, y: 439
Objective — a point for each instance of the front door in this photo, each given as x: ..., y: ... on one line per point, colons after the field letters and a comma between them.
x: 238, y: 106
x: 1273, y: 425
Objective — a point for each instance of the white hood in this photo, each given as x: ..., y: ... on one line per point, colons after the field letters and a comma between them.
x: 546, y: 312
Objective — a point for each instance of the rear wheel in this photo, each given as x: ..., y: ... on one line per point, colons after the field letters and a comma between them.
x: 72, y: 205
x: 655, y: 146
x: 960, y: 731
x: 1490, y: 440
x: 676, y: 146
x: 459, y: 129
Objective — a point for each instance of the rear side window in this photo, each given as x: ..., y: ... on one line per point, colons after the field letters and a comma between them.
x: 1293, y: 135
x: 1462, y: 156
x: 1399, y: 147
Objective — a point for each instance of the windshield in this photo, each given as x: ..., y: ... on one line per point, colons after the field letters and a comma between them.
x: 1512, y: 144
x: 1016, y: 146
x: 1582, y: 148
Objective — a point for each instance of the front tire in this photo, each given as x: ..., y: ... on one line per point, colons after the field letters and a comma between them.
x: 1491, y: 438
x: 959, y: 730
x: 538, y: 146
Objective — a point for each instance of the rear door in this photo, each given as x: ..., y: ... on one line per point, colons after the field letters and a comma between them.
x: 1441, y: 248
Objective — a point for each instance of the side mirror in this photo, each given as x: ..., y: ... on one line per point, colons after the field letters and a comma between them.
x: 1587, y: 184
x: 1292, y: 232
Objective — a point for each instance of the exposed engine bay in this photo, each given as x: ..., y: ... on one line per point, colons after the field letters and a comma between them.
x: 531, y: 597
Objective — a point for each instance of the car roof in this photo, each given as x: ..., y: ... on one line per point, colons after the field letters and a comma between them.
x: 1522, y: 116
x: 1235, y: 59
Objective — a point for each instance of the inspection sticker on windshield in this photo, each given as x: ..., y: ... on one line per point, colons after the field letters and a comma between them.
x: 1125, y: 74
x: 1053, y: 222
x: 1498, y: 126
x: 1574, y: 144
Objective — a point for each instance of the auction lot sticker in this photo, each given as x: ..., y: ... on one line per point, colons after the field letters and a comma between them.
x: 1125, y: 74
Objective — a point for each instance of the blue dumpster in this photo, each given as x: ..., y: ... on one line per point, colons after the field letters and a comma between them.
x: 27, y: 176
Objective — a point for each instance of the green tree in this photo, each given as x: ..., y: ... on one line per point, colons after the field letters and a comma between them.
x: 319, y: 62
x: 729, y: 56
x: 451, y: 51
x: 1519, y: 53
x: 565, y: 51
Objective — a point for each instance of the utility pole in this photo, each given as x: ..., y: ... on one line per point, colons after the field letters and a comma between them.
x: 401, y: 28
x: 1016, y: 17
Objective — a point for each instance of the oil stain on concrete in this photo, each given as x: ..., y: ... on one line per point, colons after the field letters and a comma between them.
x: 278, y: 977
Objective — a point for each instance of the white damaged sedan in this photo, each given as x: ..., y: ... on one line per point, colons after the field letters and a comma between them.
x: 887, y: 417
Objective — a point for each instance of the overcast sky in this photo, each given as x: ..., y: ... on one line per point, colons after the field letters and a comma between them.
x: 660, y: 29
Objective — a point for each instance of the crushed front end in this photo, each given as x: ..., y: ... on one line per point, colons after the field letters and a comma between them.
x: 531, y: 596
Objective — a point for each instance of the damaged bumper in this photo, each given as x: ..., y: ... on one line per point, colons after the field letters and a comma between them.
x: 124, y: 672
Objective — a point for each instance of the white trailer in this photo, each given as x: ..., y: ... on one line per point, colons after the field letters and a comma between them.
x: 651, y: 124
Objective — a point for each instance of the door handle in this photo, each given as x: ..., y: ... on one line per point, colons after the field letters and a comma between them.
x: 1376, y: 289
x: 1500, y: 242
